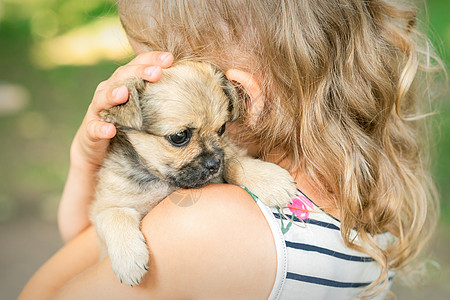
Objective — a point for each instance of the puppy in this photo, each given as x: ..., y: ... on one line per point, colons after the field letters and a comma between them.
x: 171, y: 135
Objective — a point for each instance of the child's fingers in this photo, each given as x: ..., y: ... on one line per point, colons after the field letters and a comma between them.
x: 108, y: 95
x: 147, y: 72
x: 100, y: 130
x: 92, y: 139
x: 116, y: 96
x: 147, y: 66
x: 156, y: 58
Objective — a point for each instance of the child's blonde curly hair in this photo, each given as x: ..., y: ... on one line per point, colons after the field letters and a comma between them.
x: 341, y: 81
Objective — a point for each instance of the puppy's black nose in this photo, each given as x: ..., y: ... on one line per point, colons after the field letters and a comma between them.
x: 212, y: 165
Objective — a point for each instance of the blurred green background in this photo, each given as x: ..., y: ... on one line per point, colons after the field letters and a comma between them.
x: 53, y: 54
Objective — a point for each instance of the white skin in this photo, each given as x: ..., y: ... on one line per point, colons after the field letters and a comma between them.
x: 217, y: 256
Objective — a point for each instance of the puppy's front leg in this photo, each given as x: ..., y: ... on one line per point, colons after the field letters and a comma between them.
x: 118, y: 227
x: 273, y: 185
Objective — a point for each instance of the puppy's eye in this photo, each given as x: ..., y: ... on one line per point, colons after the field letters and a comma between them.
x: 221, y: 130
x: 181, y: 138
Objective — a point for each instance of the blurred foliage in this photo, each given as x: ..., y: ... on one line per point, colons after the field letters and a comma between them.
x: 36, y: 137
x: 63, y: 15
x: 437, y: 14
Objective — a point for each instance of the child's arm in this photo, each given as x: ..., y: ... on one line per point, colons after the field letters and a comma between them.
x: 92, y: 139
x: 225, y: 223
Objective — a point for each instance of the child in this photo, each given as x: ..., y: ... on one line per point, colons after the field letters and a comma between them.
x: 332, y: 96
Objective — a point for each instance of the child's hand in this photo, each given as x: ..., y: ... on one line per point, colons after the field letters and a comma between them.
x: 92, y: 139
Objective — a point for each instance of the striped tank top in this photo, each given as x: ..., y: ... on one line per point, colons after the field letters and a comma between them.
x: 312, y: 259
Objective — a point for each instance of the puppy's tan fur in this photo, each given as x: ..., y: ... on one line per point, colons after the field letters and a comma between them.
x: 143, y: 166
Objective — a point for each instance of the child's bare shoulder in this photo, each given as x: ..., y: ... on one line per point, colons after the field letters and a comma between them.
x: 215, y: 239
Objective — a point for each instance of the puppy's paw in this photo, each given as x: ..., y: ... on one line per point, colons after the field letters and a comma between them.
x: 129, y: 258
x: 273, y: 185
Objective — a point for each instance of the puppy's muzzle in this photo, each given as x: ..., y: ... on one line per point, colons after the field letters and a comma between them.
x: 199, y: 172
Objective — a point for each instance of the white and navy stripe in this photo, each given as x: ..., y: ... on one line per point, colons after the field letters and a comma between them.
x: 314, y: 259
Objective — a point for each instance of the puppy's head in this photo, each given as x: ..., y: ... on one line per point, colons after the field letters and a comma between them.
x: 177, y: 124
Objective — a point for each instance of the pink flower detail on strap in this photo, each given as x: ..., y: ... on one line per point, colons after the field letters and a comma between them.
x: 301, y: 207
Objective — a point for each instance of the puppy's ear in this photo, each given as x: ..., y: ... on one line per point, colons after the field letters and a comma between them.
x: 128, y: 114
x: 231, y: 91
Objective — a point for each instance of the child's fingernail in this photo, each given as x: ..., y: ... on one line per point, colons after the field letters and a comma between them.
x: 115, y: 91
x: 149, y: 71
x: 119, y: 92
x: 107, y: 130
x: 165, y: 57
